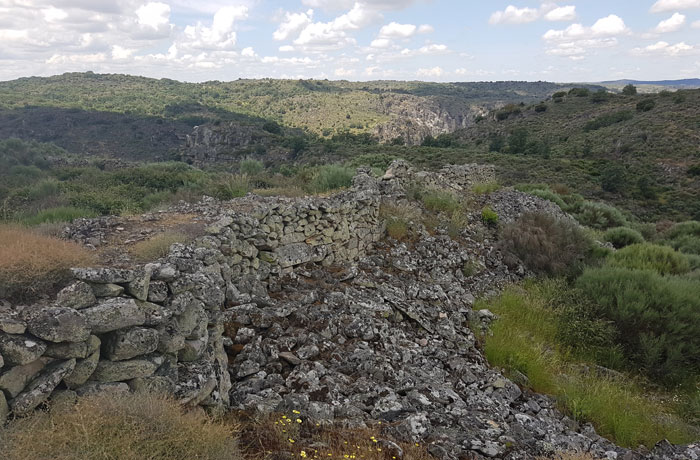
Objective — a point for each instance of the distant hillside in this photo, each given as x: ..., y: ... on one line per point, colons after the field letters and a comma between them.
x: 688, y: 82
x: 385, y: 109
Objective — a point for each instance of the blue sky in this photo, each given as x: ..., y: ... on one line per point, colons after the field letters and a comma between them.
x: 436, y: 40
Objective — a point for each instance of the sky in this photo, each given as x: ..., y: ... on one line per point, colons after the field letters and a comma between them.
x: 430, y: 40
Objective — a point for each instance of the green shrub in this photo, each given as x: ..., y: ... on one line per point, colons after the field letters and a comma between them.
x: 540, y: 108
x: 661, y: 259
x: 489, y: 216
x: 440, y: 201
x: 119, y: 427
x: 610, y: 119
x: 55, y: 215
x: 622, y: 236
x: 599, y: 215
x: 484, y: 188
x: 559, y: 94
x: 232, y: 186
x: 629, y: 90
x: 550, y: 196
x: 645, y: 105
x: 272, y: 127
x: 547, y: 244
x: 331, y: 177
x: 657, y: 318
x: 685, y: 237
x: 251, y: 167
x: 580, y: 92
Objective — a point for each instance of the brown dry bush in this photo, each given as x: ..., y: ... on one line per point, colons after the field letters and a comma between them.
x: 547, y: 244
x: 157, y: 246
x: 270, y: 437
x: 31, y: 263
x: 119, y: 427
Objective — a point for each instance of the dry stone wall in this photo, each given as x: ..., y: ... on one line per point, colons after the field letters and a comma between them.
x: 161, y: 326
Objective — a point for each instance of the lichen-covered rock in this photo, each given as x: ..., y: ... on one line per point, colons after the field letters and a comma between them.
x: 12, y: 325
x: 76, y: 295
x: 138, y: 287
x: 195, y: 382
x: 157, y: 292
x: 107, y: 290
x: 155, y: 314
x: 129, y: 343
x: 40, y: 388
x: 15, y: 379
x: 20, y: 349
x: 153, y: 384
x: 84, y: 368
x: 67, y: 350
x: 59, y: 324
x: 113, y: 314
x: 4, y: 409
x: 104, y: 275
x: 118, y: 371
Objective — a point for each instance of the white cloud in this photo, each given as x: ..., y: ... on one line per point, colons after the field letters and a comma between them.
x: 661, y: 6
x: 343, y: 72
x: 548, y: 11
x: 564, y: 13
x: 671, y: 24
x: 575, y: 41
x: 155, y: 15
x: 293, y: 24
x: 119, y: 52
x: 396, y: 30
x: 432, y: 50
x: 383, y: 5
x: 52, y: 14
x: 696, y: 25
x: 433, y: 72
x: 220, y: 35
x: 666, y: 49
x: 426, y: 29
x: 333, y: 35
x: 248, y: 52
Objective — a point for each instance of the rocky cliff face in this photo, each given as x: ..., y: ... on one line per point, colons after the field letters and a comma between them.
x: 300, y: 304
x: 223, y: 143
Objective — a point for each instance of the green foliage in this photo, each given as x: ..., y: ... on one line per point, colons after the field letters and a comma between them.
x: 272, y: 127
x: 609, y: 119
x: 517, y: 141
x: 440, y: 201
x: 331, y: 177
x: 645, y: 105
x: 542, y: 107
x: 549, y: 195
x: 57, y: 215
x: 251, y: 167
x: 600, y: 96
x: 497, y: 143
x: 644, y: 256
x: 622, y: 236
x: 559, y: 94
x: 489, y: 216
x: 547, y: 244
x: 442, y: 141
x: 629, y: 90
x: 613, y: 178
x: 234, y: 186
x: 657, y: 318
x: 546, y: 332
x: 599, y: 215
x: 580, y: 92
x: 484, y: 188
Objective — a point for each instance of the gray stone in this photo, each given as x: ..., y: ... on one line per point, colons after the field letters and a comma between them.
x: 138, y: 288
x: 195, y: 382
x: 20, y: 349
x: 290, y: 357
x: 84, y: 368
x: 293, y: 254
x: 40, y: 388
x: 129, y: 343
x: 4, y: 409
x: 193, y: 349
x: 155, y: 314
x: 14, y: 380
x: 12, y: 326
x: 2, y: 362
x: 118, y: 371
x: 158, y: 291
x: 153, y: 384
x: 163, y: 272
x: 96, y: 388
x: 67, y: 350
x: 113, y: 314
x: 104, y: 275
x: 59, y: 324
x: 107, y: 290
x: 77, y: 295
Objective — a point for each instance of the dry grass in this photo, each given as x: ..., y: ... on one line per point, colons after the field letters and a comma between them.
x: 399, y: 220
x: 157, y: 246
x: 291, y: 191
x: 119, y: 427
x: 268, y: 437
x: 31, y: 263
x: 569, y: 456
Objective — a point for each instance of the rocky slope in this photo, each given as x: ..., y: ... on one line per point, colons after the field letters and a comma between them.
x: 316, y: 313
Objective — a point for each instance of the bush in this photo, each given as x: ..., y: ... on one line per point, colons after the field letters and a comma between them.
x: 440, y: 201
x: 56, y: 215
x: 645, y: 105
x: 489, y: 216
x: 272, y: 127
x: 580, y: 92
x: 550, y: 196
x: 559, y: 94
x: 331, y: 177
x: 629, y: 90
x: 661, y: 259
x: 622, y: 236
x: 156, y: 247
x: 32, y: 264
x: 599, y: 215
x: 657, y: 318
x: 119, y: 427
x: 609, y: 119
x: 547, y: 244
x: 484, y: 188
x: 251, y: 167
x: 231, y: 186
x: 540, y: 108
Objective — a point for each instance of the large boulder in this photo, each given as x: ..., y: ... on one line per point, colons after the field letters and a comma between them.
x: 59, y: 324
x: 129, y: 343
x: 119, y: 371
x: 41, y: 388
x: 19, y: 349
x: 77, y: 295
x: 115, y: 313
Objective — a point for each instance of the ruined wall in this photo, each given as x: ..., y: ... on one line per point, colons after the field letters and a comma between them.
x: 452, y: 177
x: 161, y: 326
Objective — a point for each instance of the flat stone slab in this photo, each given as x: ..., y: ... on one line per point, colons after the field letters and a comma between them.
x: 41, y: 388
x: 104, y: 275
x: 129, y: 343
x: 119, y: 371
x: 20, y: 349
x: 59, y: 324
x: 115, y: 313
